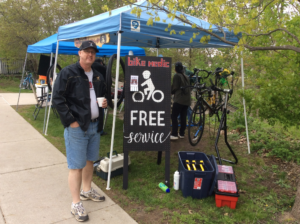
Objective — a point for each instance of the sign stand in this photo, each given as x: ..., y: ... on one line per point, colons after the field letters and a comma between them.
x: 147, y: 111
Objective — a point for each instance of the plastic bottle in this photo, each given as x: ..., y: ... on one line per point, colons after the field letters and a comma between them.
x: 176, y: 180
x: 164, y: 187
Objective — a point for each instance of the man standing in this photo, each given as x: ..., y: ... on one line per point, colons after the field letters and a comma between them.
x: 75, y: 98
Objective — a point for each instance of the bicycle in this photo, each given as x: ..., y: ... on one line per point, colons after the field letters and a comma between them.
x: 197, y: 119
x: 214, y: 103
x: 25, y: 84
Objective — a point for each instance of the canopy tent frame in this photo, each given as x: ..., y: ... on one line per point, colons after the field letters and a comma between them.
x: 22, y: 80
x: 47, y: 98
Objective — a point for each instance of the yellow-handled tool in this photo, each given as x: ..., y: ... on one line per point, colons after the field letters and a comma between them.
x: 193, y: 164
x: 187, y: 164
x: 201, y: 165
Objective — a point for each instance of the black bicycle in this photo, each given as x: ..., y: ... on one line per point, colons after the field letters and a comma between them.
x: 212, y: 102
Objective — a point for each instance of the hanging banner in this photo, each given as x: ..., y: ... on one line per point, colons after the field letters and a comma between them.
x: 147, y: 104
x: 99, y: 40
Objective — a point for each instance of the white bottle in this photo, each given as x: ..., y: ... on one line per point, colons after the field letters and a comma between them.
x: 176, y: 180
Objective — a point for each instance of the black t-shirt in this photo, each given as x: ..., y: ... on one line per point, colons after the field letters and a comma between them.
x: 100, y: 68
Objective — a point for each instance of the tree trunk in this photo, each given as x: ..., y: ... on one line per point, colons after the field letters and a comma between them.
x: 296, y: 208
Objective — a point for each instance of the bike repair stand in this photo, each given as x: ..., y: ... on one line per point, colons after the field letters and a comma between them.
x: 223, y: 126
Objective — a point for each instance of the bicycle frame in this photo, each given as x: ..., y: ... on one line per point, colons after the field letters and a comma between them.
x: 213, y: 108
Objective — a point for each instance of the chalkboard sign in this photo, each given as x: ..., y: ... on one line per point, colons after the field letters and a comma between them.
x: 147, y: 109
x: 147, y: 104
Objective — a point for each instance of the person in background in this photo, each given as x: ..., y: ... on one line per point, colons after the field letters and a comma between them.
x: 75, y: 94
x: 190, y: 76
x: 181, y: 101
x: 99, y: 66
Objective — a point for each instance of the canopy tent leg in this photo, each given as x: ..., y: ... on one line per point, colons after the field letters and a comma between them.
x: 115, y: 112
x: 244, y: 103
x: 47, y: 98
x: 53, y: 81
x: 22, y: 80
x: 156, y: 52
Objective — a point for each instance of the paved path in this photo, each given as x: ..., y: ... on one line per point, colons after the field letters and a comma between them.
x: 12, y: 98
x: 33, y: 177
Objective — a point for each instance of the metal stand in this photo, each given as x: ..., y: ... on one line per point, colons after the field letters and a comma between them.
x: 223, y: 125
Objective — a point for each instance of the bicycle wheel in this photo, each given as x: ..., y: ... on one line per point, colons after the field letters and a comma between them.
x: 196, y: 124
x: 110, y: 81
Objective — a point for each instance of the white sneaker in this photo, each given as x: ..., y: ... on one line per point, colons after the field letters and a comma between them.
x: 180, y: 136
x: 173, y: 137
x: 79, y: 212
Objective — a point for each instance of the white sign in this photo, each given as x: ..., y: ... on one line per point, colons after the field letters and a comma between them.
x: 134, y: 83
x: 135, y: 25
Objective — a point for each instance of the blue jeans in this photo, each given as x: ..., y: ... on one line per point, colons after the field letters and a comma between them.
x: 82, y: 146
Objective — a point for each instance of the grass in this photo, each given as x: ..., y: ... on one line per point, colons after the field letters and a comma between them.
x: 264, y: 196
x: 10, y: 84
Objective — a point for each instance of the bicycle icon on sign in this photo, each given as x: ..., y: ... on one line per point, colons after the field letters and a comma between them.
x: 149, y: 91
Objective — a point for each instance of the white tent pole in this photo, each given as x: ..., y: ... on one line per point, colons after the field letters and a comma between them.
x: 53, y: 81
x: 22, y: 80
x: 244, y: 103
x: 115, y: 110
x: 47, y: 97
x: 156, y: 52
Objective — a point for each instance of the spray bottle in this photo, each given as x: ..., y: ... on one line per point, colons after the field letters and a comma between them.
x: 176, y: 180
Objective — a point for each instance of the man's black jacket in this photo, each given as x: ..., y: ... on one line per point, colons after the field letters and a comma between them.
x: 71, y: 96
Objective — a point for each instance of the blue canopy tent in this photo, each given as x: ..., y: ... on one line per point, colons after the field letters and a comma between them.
x: 48, y: 46
x: 136, y: 32
x: 126, y: 29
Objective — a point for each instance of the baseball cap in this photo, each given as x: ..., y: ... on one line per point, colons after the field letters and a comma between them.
x: 87, y: 44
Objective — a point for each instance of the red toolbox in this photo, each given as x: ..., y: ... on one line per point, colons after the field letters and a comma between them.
x: 226, y: 191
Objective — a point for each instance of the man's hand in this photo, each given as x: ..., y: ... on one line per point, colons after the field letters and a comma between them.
x: 74, y: 124
x: 104, y: 103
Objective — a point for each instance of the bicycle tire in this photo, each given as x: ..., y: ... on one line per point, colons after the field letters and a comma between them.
x: 50, y: 74
x: 27, y: 85
x: 196, y: 124
x: 105, y: 118
x: 109, y: 81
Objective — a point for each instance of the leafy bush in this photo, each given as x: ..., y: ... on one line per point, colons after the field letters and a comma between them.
x: 257, y: 146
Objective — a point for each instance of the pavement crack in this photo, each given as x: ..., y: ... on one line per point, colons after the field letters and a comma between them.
x: 34, y: 168
x: 25, y: 140
x: 2, y: 215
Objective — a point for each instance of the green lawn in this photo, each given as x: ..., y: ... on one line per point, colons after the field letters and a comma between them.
x: 267, y: 190
x: 10, y: 84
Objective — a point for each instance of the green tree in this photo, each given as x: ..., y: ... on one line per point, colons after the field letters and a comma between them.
x: 264, y: 24
x: 25, y: 22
